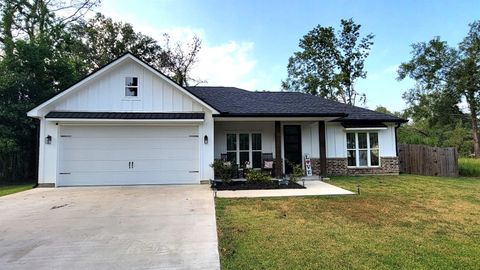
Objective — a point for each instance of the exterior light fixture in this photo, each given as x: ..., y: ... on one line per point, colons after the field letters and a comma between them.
x: 205, y: 139
x: 48, y: 139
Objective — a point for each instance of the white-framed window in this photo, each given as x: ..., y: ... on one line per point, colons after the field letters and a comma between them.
x: 243, y: 147
x: 131, y: 86
x: 363, y: 149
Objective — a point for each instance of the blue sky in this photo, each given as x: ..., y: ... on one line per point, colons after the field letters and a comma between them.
x: 248, y: 43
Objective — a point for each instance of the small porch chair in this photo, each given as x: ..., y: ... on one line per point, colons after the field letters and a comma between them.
x: 267, y: 162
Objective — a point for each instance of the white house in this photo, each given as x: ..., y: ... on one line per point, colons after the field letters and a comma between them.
x: 127, y: 123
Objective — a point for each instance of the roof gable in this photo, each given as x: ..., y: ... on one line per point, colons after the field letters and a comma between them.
x: 156, y: 87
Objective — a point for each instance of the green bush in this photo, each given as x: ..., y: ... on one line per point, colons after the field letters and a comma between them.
x: 254, y: 176
x: 222, y: 169
x: 469, y: 166
x: 297, y: 172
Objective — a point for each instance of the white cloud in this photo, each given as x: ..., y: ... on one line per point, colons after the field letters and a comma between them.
x: 390, y: 71
x: 226, y: 64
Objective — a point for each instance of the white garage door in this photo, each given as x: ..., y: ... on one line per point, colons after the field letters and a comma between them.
x: 128, y: 155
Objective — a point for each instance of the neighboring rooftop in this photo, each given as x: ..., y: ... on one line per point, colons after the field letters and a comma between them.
x: 232, y: 101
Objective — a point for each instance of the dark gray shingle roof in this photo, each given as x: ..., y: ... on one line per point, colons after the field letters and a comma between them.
x: 123, y: 115
x: 232, y: 101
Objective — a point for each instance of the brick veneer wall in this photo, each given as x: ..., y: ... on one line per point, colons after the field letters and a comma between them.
x: 335, y: 166
x: 315, y: 165
x: 338, y: 166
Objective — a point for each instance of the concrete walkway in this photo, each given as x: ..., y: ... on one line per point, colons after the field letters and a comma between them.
x: 140, y: 227
x: 314, y: 188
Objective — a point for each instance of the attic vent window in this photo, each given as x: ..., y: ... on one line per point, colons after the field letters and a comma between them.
x: 131, y: 86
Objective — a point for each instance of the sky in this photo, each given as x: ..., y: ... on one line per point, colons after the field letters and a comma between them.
x: 247, y: 43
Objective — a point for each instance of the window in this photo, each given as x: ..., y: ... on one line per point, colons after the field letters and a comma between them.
x: 256, y: 150
x: 243, y: 147
x: 131, y: 86
x: 362, y: 149
x: 232, y: 147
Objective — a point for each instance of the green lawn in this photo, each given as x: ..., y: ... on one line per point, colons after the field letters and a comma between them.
x: 469, y: 166
x: 398, y: 222
x: 9, y: 189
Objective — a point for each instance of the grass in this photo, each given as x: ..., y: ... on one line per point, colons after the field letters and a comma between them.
x: 10, y: 189
x: 398, y: 222
x: 469, y: 166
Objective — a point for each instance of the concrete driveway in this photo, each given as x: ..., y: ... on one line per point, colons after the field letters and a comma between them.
x: 144, y: 227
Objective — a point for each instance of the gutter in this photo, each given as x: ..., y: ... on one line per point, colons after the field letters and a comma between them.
x: 233, y: 115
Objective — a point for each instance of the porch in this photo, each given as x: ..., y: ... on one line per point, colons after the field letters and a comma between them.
x: 271, y: 145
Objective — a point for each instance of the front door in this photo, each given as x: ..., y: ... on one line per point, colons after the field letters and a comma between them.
x: 292, y: 143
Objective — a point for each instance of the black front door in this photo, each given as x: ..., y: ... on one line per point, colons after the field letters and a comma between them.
x: 292, y: 143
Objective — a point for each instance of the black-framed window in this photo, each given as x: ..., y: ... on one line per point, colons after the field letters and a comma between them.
x: 245, y: 147
x: 363, y: 149
x: 131, y: 86
x: 232, y: 147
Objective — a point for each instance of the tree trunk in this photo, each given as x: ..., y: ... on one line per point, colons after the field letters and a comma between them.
x: 476, y: 143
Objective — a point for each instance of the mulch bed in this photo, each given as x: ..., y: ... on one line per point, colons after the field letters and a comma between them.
x: 242, y: 185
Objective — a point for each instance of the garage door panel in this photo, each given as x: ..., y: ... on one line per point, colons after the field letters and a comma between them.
x: 123, y: 165
x: 130, y: 132
x: 119, y: 154
x: 130, y: 143
x: 99, y: 155
x: 128, y: 178
x: 164, y: 165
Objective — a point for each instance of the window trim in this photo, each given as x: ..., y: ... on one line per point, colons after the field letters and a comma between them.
x: 125, y: 97
x: 250, y: 150
x: 368, y: 149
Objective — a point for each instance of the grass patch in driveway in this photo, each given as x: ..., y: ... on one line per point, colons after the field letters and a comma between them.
x: 408, y: 222
x: 10, y: 189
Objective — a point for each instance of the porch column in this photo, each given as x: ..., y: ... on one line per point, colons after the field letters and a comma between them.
x: 278, y: 170
x: 323, y: 150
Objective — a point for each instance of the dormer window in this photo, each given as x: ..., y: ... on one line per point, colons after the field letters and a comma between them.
x: 131, y: 86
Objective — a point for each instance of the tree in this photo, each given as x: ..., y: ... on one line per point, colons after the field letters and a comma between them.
x: 444, y: 77
x: 35, y: 63
x: 101, y: 40
x: 180, y: 59
x: 329, y: 63
x: 466, y: 78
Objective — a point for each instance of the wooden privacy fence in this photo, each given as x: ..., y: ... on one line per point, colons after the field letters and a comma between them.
x: 428, y: 160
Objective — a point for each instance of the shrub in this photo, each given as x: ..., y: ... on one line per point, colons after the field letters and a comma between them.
x: 254, y: 176
x: 297, y: 172
x: 469, y: 166
x: 222, y: 169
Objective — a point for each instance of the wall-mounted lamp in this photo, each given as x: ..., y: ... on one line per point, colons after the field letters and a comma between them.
x: 48, y: 139
x: 205, y: 139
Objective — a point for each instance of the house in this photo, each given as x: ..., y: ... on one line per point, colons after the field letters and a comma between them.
x: 127, y: 123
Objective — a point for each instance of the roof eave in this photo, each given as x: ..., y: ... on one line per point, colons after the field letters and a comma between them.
x: 128, y: 55
x: 399, y: 120
x: 235, y: 115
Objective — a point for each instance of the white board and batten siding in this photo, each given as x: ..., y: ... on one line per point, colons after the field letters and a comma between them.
x: 336, y: 141
x: 106, y: 93
x: 165, y: 153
